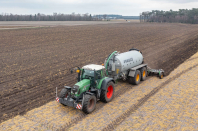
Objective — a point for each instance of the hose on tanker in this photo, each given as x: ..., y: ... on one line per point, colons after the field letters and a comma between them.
x: 108, y: 61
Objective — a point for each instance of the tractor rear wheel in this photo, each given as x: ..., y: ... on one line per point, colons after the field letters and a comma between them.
x: 136, y: 79
x: 143, y: 73
x: 107, y: 94
x: 63, y: 94
x: 89, y: 103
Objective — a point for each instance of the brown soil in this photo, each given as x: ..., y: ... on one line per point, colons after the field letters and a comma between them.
x: 35, y: 61
x: 14, y: 26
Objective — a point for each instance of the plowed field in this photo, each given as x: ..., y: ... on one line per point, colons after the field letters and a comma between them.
x: 35, y: 61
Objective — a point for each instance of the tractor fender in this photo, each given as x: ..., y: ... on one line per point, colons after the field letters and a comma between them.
x: 67, y: 87
x: 89, y: 93
x: 105, y: 82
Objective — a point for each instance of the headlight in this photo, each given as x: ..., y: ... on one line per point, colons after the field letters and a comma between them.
x: 78, y: 92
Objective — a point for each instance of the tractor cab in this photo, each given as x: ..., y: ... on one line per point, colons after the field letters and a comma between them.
x: 89, y: 78
x: 92, y: 72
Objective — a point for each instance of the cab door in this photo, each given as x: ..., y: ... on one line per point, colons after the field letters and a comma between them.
x: 101, y: 77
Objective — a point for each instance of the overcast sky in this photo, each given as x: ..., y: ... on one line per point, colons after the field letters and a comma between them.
x: 121, y: 7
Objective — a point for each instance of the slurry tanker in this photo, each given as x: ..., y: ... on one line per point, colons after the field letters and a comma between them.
x: 96, y: 82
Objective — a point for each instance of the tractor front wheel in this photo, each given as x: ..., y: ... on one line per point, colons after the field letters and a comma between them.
x: 63, y: 93
x: 89, y: 103
x: 107, y: 94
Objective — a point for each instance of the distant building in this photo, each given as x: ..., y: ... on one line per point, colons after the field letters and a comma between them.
x: 111, y: 16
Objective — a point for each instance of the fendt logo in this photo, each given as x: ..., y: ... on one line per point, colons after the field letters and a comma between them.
x: 128, y: 60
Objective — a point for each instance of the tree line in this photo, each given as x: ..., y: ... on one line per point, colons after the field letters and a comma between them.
x: 181, y: 16
x: 43, y: 17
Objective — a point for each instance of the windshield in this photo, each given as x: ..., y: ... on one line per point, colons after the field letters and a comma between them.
x: 88, y: 73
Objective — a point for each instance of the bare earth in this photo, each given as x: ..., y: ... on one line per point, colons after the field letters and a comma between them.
x: 55, y: 23
x: 167, y: 104
x: 35, y: 61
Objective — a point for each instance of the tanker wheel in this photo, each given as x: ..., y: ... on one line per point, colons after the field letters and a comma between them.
x: 89, y: 103
x: 136, y: 79
x: 63, y: 94
x: 107, y: 94
x: 161, y: 75
x: 143, y: 73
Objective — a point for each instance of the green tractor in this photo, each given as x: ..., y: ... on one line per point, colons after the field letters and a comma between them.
x: 92, y: 86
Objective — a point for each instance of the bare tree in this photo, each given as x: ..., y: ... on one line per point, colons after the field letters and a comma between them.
x: 181, y: 16
x: 42, y: 17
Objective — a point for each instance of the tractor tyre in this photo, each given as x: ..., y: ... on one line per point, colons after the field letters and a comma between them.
x: 136, y: 79
x: 63, y: 93
x: 161, y: 75
x: 89, y: 103
x: 107, y: 94
x: 143, y: 73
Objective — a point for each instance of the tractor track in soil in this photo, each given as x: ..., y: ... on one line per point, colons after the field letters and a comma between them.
x: 36, y: 82
x: 140, y: 102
